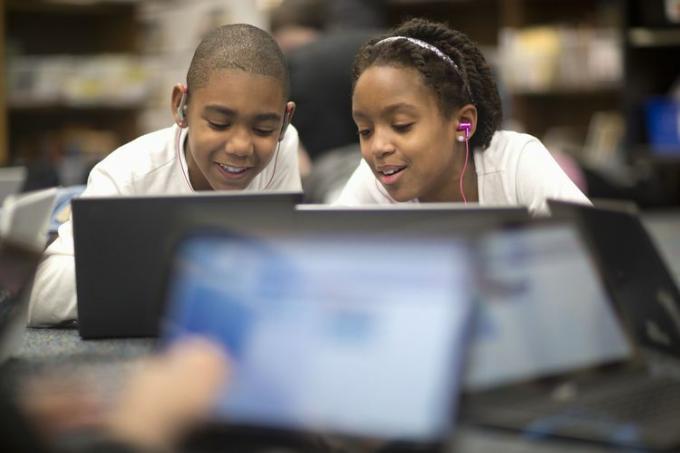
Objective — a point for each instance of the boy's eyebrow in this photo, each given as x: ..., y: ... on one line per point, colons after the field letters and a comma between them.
x: 230, y: 112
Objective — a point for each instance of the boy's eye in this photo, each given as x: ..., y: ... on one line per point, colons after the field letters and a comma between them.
x: 402, y: 127
x: 364, y: 132
x: 218, y: 125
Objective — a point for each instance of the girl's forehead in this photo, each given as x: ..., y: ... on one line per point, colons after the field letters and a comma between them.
x: 383, y: 81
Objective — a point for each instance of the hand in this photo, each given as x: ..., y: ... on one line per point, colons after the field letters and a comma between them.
x: 167, y: 396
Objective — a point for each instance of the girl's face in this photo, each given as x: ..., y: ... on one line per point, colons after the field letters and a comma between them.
x: 405, y: 139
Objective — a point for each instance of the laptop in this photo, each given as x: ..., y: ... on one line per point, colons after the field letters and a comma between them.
x: 638, y: 280
x: 664, y: 227
x: 25, y: 217
x: 23, y: 232
x: 412, y: 219
x: 122, y: 245
x: 328, y: 334
x: 11, y: 181
x: 550, y: 355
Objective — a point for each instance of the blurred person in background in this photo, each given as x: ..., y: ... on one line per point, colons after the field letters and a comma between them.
x: 320, y: 39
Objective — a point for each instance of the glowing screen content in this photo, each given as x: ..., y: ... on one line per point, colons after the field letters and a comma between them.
x: 355, y: 336
x: 543, y: 310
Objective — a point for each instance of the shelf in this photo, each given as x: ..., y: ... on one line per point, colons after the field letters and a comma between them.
x: 36, y: 27
x: 654, y: 37
x: 604, y: 90
x: 68, y: 7
x: 646, y: 153
x: 56, y: 107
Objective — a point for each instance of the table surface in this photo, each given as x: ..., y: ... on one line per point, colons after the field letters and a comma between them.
x: 105, y: 363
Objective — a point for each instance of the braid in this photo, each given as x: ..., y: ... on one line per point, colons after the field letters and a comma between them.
x: 472, y: 82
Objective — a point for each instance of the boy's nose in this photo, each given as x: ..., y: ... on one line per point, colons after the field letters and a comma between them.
x: 239, y: 144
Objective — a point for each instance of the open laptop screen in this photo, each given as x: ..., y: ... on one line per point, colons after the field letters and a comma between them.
x: 544, y: 310
x: 346, y: 335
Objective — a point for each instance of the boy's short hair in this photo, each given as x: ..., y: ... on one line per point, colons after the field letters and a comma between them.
x: 238, y: 46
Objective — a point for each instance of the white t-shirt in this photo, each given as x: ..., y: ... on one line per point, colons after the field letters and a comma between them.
x: 153, y: 164
x: 515, y: 170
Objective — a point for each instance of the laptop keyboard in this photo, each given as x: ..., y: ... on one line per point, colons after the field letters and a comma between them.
x: 624, y: 410
x: 643, y: 401
x: 632, y: 399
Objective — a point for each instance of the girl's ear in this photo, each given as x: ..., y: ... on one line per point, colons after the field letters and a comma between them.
x: 466, y: 122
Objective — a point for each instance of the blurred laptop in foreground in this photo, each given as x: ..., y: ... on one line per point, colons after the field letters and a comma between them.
x: 552, y: 357
x: 330, y: 333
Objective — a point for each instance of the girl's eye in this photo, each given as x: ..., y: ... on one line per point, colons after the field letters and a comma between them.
x: 264, y: 132
x: 402, y: 127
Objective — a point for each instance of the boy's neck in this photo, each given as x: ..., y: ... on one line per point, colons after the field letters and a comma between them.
x: 196, y: 178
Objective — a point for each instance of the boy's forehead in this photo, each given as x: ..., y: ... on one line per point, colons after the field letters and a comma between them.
x: 238, y: 80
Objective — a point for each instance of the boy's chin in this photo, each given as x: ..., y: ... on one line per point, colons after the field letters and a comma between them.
x: 224, y: 184
x: 229, y: 186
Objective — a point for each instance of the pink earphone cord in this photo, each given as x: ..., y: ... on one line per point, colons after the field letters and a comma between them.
x: 462, y: 173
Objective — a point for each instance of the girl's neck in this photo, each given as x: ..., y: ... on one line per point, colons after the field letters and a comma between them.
x: 451, y: 190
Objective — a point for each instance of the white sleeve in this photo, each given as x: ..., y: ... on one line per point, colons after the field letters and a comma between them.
x: 287, y: 172
x: 361, y: 188
x: 540, y: 177
x: 53, y: 297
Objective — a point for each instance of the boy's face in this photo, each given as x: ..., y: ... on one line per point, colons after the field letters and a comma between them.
x: 234, y: 122
x: 405, y: 139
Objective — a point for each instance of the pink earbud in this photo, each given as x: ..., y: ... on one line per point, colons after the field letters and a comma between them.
x: 464, y: 126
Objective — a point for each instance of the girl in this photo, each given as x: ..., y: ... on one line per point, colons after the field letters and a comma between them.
x: 428, y: 112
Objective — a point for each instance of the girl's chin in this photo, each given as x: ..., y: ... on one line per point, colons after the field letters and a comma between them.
x: 399, y: 195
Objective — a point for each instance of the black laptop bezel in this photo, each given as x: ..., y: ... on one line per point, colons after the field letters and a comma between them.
x: 168, y: 215
x: 548, y: 381
x: 628, y: 309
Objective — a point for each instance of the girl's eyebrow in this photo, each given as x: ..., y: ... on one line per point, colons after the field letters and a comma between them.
x: 409, y: 108
x: 399, y: 106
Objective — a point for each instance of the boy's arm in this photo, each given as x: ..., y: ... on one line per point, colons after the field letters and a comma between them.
x: 53, y: 297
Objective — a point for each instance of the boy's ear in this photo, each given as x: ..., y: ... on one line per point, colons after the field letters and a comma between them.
x: 178, y: 104
x: 287, y: 118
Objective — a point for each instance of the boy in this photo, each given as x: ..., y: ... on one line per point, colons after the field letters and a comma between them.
x: 230, y: 133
